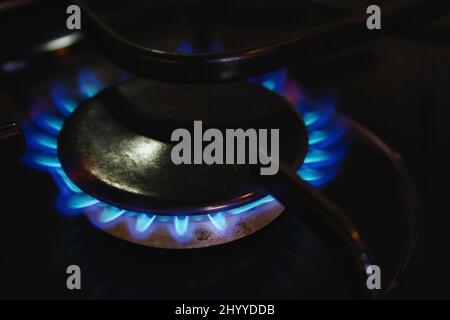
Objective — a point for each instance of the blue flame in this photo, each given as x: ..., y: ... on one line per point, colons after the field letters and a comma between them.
x: 327, y: 147
x: 144, y: 222
x: 185, y: 47
x: 274, y: 81
x: 81, y: 201
x: 44, y: 161
x: 181, y: 225
x: 88, y: 83
x: 63, y: 98
x: 60, y: 174
x: 110, y: 214
x: 44, y: 141
x: 218, y: 220
x: 249, y: 207
x: 311, y: 117
x: 50, y: 123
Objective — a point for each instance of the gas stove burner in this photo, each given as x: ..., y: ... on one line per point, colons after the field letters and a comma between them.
x: 134, y: 171
x: 209, y: 215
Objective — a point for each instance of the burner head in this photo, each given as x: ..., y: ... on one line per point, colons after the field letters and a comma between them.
x: 116, y: 146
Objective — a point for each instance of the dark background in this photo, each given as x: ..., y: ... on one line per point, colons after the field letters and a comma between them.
x: 398, y: 86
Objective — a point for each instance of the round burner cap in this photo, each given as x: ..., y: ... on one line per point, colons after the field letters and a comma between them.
x: 116, y: 146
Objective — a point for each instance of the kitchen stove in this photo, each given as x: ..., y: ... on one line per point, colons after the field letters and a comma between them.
x: 242, y: 243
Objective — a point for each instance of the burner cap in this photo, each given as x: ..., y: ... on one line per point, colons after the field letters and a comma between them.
x: 116, y: 146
